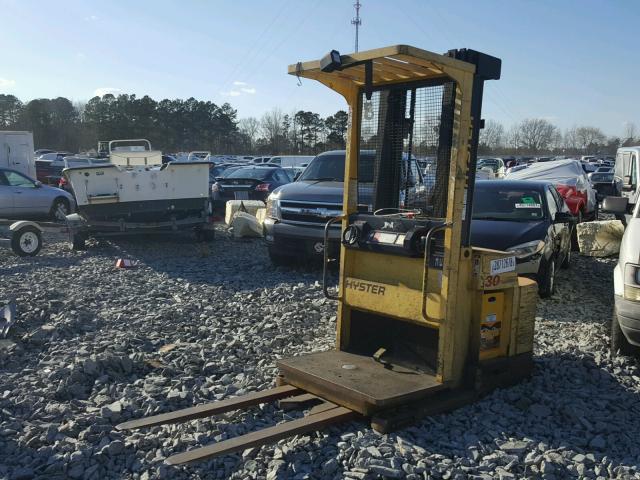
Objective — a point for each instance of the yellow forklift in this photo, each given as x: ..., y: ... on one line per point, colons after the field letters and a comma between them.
x: 426, y: 322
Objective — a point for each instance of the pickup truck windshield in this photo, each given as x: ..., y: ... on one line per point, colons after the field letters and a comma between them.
x: 331, y: 168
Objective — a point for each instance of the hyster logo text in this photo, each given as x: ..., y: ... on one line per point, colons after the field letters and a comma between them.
x: 365, y: 287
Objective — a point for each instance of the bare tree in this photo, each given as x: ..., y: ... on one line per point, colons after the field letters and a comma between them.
x: 537, y: 134
x: 589, y: 137
x: 570, y: 139
x: 629, y: 131
x: 492, y: 135
x: 513, y: 137
x: 272, y: 129
x: 250, y: 127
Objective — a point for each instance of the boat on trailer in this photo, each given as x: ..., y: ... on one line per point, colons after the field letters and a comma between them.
x: 136, y: 191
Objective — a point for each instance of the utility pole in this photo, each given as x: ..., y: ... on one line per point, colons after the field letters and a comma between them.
x: 357, y: 21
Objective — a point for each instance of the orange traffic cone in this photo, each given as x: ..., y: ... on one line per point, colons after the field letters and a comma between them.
x: 124, y: 263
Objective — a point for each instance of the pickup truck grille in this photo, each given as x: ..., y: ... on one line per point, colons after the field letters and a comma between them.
x: 309, y: 213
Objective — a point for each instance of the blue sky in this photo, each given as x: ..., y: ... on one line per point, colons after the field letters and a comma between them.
x: 572, y: 62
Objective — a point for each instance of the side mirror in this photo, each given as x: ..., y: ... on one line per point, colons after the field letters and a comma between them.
x: 626, y: 183
x: 617, y: 205
x: 38, y: 183
x: 564, y: 217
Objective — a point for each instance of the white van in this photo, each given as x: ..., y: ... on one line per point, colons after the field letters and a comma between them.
x: 627, y: 173
x: 291, y: 160
x: 16, y: 152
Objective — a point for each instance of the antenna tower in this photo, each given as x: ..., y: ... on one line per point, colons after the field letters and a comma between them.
x: 357, y: 21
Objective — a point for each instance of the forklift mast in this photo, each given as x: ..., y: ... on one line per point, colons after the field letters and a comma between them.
x: 408, y: 293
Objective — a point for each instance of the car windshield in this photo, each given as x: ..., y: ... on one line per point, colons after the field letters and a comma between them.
x: 492, y: 164
x: 602, y: 177
x: 504, y: 203
x: 331, y: 168
x: 253, y: 173
x: 216, y: 171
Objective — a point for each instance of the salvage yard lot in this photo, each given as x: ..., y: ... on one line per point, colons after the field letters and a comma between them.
x: 95, y: 346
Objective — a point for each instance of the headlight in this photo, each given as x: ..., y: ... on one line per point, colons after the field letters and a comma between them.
x: 527, y: 249
x: 632, y: 282
x: 273, y: 208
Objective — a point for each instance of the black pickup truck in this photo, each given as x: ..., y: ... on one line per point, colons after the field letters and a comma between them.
x: 298, y: 212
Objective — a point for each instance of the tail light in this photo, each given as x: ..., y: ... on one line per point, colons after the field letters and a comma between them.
x: 566, y: 190
x: 263, y: 187
x: 62, y: 182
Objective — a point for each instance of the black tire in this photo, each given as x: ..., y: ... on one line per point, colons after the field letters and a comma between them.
x: 574, y: 235
x: 547, y: 278
x: 26, y: 241
x: 280, y: 260
x: 566, y: 263
x: 78, y: 241
x: 619, y: 343
x: 59, y: 210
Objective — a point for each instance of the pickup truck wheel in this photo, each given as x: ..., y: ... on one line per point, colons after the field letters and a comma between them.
x: 619, y: 343
x: 78, y: 241
x: 547, y: 278
x: 280, y: 260
x: 59, y: 210
x: 26, y: 241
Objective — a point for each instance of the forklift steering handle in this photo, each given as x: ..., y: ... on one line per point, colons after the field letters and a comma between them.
x: 325, y: 263
x: 425, y: 274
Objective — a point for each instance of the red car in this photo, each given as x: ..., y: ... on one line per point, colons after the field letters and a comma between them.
x: 570, y: 180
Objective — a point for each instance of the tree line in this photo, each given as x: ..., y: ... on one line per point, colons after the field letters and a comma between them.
x: 185, y: 125
x: 171, y: 125
x: 538, y: 136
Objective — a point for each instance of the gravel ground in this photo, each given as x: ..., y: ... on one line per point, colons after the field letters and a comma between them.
x: 95, y: 346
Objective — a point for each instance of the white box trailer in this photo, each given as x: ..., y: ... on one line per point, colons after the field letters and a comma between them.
x: 16, y: 152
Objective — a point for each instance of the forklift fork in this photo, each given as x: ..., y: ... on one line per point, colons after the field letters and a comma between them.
x: 318, y: 417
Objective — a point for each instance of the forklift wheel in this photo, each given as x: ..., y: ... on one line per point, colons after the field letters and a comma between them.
x: 26, y: 241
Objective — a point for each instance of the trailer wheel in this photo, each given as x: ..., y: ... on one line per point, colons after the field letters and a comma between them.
x: 26, y: 241
x: 78, y: 241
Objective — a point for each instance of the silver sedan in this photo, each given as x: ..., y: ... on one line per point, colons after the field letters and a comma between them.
x: 23, y: 197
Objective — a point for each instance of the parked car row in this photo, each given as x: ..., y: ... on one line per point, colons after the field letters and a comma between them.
x: 530, y: 218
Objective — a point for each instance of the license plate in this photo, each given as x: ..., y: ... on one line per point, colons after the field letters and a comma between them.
x: 241, y: 195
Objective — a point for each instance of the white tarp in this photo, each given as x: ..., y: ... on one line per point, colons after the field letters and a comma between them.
x: 249, y: 206
x: 558, y: 171
x: 246, y: 225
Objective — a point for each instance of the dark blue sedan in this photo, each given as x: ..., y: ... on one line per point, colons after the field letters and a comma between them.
x: 529, y: 219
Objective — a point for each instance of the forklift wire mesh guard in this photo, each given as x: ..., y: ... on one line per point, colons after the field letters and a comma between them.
x: 402, y: 127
